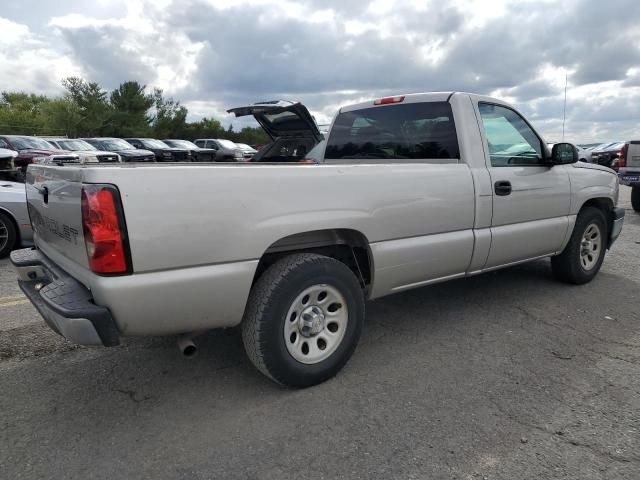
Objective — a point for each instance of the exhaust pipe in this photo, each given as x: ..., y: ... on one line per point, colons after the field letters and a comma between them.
x: 186, y: 345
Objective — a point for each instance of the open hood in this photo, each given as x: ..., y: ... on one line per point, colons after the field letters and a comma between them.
x: 282, y: 118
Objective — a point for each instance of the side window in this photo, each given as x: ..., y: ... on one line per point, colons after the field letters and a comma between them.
x: 3, y: 144
x: 413, y: 131
x: 511, y: 140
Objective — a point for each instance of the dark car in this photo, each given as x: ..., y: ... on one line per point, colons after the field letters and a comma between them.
x: 608, y: 155
x: 198, y: 154
x: 127, y: 152
x: 162, y: 151
x: 28, y: 148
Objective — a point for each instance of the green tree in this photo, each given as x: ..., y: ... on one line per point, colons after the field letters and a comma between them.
x: 87, y: 110
x: 92, y: 103
x: 170, y: 119
x: 22, y: 112
x: 130, y: 105
x: 63, y: 117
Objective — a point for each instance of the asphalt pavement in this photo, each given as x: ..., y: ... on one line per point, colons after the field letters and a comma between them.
x: 508, y: 375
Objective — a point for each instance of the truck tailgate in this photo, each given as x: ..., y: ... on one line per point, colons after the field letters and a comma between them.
x: 54, y: 201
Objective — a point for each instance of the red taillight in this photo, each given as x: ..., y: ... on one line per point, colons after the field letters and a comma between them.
x: 104, y: 230
x: 622, y: 155
x: 388, y: 100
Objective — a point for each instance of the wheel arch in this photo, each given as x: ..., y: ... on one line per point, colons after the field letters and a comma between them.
x: 605, y: 205
x: 349, y: 246
x: 13, y: 220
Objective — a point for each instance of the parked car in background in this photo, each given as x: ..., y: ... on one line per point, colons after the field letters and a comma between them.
x: 7, y: 164
x: 247, y: 151
x: 289, y: 124
x: 226, y: 150
x: 406, y: 194
x: 606, y: 153
x: 28, y: 148
x: 197, y: 154
x: 589, y: 146
x: 127, y: 152
x: 584, y: 155
x: 629, y: 171
x: 86, y: 152
x: 162, y: 151
x: 58, y: 159
x: 15, y: 226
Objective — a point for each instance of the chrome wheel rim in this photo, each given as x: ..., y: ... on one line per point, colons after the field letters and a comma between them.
x: 4, y: 235
x: 315, y: 324
x: 591, y: 246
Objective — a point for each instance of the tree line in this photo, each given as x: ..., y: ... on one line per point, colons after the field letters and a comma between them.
x: 131, y: 110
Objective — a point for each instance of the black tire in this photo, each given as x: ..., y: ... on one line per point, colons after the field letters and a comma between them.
x: 635, y: 198
x: 8, y: 235
x: 267, y: 309
x: 567, y: 267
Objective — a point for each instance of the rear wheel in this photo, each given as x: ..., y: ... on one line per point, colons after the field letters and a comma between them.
x: 303, y: 319
x: 582, y: 258
x: 635, y: 198
x: 8, y: 235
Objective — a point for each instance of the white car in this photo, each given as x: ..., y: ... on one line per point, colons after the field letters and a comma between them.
x: 15, y: 226
x: 86, y: 152
x: 6, y: 160
x: 584, y: 155
x: 247, y: 151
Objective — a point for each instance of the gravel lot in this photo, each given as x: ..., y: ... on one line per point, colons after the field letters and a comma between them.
x: 509, y: 375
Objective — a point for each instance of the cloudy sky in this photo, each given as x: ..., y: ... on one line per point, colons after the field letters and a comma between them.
x: 216, y: 54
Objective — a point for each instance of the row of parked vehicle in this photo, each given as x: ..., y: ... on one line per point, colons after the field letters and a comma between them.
x: 611, y: 154
x: 17, y: 151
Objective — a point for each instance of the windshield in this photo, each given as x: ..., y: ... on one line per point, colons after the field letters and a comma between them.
x: 25, y: 143
x: 227, y: 144
x: 75, y: 145
x: 180, y: 143
x: 115, y: 144
x: 151, y: 143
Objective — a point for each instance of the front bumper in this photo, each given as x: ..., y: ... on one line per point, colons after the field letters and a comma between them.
x: 65, y: 304
x: 616, y: 227
x: 629, y: 177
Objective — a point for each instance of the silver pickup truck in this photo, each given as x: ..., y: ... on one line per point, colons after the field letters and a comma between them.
x: 405, y: 191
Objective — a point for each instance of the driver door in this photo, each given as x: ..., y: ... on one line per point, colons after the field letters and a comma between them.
x: 531, y: 199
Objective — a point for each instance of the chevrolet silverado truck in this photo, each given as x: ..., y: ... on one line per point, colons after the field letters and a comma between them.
x: 406, y: 191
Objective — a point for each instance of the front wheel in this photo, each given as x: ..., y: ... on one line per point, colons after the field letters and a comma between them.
x: 635, y: 198
x: 303, y: 319
x: 582, y: 258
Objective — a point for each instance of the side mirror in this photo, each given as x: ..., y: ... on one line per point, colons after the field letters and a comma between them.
x: 564, y: 154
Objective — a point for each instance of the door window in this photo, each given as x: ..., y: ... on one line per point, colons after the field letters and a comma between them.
x: 3, y: 144
x: 511, y: 141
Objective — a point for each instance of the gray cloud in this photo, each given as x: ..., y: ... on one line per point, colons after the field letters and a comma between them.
x: 245, y: 58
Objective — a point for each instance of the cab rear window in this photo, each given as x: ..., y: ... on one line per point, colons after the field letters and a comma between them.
x: 396, y: 132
